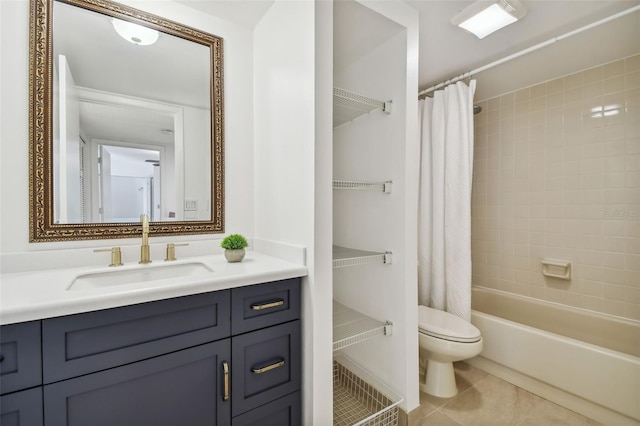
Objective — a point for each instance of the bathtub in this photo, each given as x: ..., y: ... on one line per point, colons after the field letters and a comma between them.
x: 587, y: 362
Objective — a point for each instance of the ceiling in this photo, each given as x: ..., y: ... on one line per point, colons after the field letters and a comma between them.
x: 447, y: 51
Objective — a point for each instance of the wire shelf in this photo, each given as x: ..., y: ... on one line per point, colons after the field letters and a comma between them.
x: 348, y: 106
x: 351, y: 327
x: 359, y: 399
x: 345, y: 257
x: 359, y: 185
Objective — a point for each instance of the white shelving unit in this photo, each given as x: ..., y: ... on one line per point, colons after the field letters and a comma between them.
x: 351, y: 327
x: 374, y: 158
x: 363, y: 185
x: 345, y: 257
x: 348, y: 106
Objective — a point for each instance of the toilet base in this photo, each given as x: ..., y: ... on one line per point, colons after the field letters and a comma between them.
x: 440, y: 379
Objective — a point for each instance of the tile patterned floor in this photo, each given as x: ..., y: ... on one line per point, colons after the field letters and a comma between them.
x: 484, y: 399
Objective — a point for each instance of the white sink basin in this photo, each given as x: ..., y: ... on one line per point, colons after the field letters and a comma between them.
x: 139, y: 274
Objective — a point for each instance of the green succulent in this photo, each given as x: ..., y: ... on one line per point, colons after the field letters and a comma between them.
x: 234, y: 242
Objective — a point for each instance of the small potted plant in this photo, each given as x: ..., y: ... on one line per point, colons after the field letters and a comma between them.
x: 234, y: 246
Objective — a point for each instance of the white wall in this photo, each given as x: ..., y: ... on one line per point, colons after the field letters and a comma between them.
x: 285, y: 204
x: 14, y: 130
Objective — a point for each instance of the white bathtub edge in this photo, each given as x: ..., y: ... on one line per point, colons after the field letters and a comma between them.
x: 553, y: 394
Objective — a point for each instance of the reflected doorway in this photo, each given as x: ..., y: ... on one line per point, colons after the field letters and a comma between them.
x: 128, y: 183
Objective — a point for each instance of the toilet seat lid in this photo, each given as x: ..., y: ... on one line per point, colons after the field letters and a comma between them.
x: 444, y: 325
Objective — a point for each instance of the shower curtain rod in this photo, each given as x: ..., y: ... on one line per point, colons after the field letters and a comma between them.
x: 529, y: 50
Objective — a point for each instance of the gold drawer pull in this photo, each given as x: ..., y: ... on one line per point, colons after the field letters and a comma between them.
x: 268, y: 367
x: 259, y: 307
x: 225, y: 368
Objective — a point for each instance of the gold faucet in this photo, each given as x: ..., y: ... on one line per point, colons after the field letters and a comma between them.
x: 144, y: 248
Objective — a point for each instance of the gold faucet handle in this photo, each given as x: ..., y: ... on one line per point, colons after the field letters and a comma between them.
x: 116, y: 255
x: 171, y: 251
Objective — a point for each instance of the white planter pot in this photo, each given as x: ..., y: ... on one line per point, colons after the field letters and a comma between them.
x: 234, y: 255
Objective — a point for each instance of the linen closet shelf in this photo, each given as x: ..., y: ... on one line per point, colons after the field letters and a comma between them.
x: 363, y: 185
x: 351, y: 327
x: 348, y: 106
x: 344, y: 257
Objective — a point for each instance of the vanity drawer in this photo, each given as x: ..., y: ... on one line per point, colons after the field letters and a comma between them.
x: 263, y: 305
x: 266, y: 366
x: 85, y: 343
x: 285, y: 411
x: 20, y: 356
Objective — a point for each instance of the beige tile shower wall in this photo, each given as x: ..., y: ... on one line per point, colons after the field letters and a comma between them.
x: 557, y: 175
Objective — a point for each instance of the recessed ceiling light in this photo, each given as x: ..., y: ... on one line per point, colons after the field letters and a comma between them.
x: 134, y: 33
x: 485, y: 17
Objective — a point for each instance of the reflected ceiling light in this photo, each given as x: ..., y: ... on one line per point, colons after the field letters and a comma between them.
x: 134, y: 33
x: 487, y: 16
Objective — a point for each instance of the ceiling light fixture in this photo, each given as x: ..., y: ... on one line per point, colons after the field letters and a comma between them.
x: 485, y: 17
x: 134, y: 33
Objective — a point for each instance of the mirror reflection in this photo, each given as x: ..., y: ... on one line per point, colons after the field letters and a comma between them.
x: 128, y: 183
x: 124, y: 120
x: 122, y: 91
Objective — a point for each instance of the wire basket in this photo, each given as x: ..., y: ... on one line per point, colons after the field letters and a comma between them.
x: 358, y: 403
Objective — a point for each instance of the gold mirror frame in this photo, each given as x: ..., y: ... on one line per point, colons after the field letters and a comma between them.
x: 41, y: 226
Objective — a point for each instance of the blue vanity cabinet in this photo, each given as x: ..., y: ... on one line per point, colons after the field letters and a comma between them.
x: 20, y: 356
x: 20, y: 374
x: 218, y: 358
x: 266, y: 354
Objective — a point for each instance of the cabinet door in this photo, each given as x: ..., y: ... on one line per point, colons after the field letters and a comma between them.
x: 20, y: 362
x: 178, y: 389
x: 94, y: 341
x: 285, y: 411
x: 266, y: 366
x: 22, y: 408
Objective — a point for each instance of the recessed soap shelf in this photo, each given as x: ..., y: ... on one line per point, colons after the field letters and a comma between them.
x: 554, y: 268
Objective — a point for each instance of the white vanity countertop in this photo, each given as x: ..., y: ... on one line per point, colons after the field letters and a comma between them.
x: 26, y: 296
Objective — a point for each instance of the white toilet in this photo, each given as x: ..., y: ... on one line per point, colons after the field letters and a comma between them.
x: 444, y: 339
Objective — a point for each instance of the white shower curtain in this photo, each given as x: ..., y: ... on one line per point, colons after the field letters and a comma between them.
x: 444, y: 243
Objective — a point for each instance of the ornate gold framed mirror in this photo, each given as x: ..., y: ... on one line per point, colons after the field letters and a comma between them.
x: 121, y: 126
